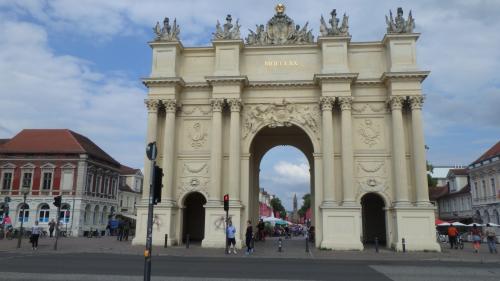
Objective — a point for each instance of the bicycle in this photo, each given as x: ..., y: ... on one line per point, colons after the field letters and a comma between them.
x: 460, y: 242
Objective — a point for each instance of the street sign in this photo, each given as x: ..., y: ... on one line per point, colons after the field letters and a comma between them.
x: 151, y: 151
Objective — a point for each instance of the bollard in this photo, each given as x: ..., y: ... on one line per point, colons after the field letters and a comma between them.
x: 376, y: 244
x: 166, y: 239
x: 187, y: 241
x: 280, y: 244
x: 404, y: 245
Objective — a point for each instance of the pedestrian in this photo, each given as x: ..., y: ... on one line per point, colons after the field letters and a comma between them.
x: 491, y: 238
x: 260, y: 228
x: 108, y: 228
x: 452, y: 236
x: 120, y: 230
x: 35, y: 234
x: 476, y: 237
x: 52, y: 225
x: 126, y: 230
x: 248, y: 237
x: 231, y: 238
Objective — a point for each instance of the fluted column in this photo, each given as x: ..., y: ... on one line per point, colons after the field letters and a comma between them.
x: 419, y: 163
x: 326, y: 104
x: 152, y: 106
x: 347, y: 154
x: 399, y: 153
x: 169, y: 151
x: 216, y: 153
x: 234, y: 151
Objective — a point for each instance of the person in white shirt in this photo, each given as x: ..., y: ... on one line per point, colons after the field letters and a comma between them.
x: 231, y: 240
x: 35, y: 234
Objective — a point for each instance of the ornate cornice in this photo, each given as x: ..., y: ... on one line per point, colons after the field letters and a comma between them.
x: 196, y: 85
x: 410, y: 75
x: 286, y: 83
x: 337, y: 77
x: 163, y: 81
x: 368, y: 83
x: 227, y: 80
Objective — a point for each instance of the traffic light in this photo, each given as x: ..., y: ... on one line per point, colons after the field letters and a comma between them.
x: 57, y: 201
x: 157, y: 184
x: 226, y: 202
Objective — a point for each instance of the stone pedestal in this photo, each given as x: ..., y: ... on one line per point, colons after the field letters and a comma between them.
x: 342, y: 228
x: 416, y: 226
x: 163, y: 223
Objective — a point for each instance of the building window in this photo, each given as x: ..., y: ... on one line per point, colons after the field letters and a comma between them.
x: 476, y: 189
x: 88, y: 185
x: 65, y: 214
x: 7, y: 180
x: 44, y: 213
x: 67, y: 179
x: 493, y: 187
x: 121, y: 201
x: 484, y: 188
x: 24, y: 213
x: 47, y: 181
x: 98, y: 184
x: 27, y: 180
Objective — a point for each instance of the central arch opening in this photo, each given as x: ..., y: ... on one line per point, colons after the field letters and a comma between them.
x: 194, y: 217
x: 282, y: 166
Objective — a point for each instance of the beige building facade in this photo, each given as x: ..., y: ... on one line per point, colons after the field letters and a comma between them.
x: 353, y: 108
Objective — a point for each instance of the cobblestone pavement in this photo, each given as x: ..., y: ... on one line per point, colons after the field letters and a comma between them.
x: 294, y: 248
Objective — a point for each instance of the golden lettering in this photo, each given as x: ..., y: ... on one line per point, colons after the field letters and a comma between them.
x: 276, y: 63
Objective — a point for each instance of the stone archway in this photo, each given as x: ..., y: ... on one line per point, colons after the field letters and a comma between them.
x: 194, y: 217
x: 373, y: 219
x: 266, y: 139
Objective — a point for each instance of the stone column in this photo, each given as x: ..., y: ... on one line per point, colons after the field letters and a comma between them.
x: 216, y: 153
x: 152, y: 106
x: 169, y: 152
x: 399, y: 153
x: 419, y: 163
x: 347, y: 154
x: 234, y: 151
x: 326, y: 104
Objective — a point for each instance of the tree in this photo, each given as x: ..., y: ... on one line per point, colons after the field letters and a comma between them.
x: 306, y: 204
x: 278, y: 207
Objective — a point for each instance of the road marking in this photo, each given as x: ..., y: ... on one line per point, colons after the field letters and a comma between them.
x: 438, y: 273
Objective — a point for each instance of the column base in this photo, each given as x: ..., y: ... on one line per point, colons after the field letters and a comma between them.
x: 350, y: 204
x: 329, y: 204
x: 403, y: 204
x: 341, y: 228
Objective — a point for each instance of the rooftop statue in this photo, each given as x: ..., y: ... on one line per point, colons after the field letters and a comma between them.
x: 228, y: 31
x: 280, y: 30
x: 400, y: 25
x: 167, y: 32
x: 334, y: 29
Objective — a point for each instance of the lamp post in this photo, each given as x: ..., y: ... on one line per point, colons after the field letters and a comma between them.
x: 24, y: 191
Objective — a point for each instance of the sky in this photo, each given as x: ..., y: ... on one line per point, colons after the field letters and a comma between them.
x: 77, y: 64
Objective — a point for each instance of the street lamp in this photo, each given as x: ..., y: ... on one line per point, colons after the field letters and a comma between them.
x: 24, y: 191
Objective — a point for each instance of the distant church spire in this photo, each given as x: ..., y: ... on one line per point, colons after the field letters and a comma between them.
x: 294, y: 202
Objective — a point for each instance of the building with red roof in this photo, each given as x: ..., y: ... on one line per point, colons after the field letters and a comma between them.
x: 44, y: 163
x: 484, y: 175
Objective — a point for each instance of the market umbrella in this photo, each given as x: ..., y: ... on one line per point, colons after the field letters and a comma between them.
x: 494, y: 224
x: 477, y: 224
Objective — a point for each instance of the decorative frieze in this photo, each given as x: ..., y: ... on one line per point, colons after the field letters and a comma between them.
x: 371, y: 176
x: 197, y: 135
x: 369, y: 132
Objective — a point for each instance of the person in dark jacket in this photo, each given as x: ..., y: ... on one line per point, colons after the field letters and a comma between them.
x: 249, y: 237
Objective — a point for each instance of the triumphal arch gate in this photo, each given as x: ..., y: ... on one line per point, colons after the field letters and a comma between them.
x: 353, y: 108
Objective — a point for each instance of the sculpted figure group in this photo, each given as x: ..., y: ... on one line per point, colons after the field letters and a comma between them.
x: 281, y: 30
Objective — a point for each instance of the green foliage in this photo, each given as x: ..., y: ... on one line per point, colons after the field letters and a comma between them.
x: 432, y: 182
x: 306, y: 204
x: 278, y: 207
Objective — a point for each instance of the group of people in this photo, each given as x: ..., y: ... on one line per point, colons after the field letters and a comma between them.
x: 120, y: 228
x: 477, y: 236
x: 231, y: 238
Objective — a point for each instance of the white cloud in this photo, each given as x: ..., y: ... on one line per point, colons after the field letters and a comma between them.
x: 290, y: 173
x: 42, y: 89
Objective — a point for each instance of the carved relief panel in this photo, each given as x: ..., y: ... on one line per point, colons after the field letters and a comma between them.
x: 195, y: 135
x: 371, y: 176
x: 369, y: 133
x: 194, y: 176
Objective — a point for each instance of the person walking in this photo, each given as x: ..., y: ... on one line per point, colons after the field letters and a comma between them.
x: 35, y: 234
x: 476, y: 237
x: 260, y: 228
x: 452, y: 236
x: 491, y: 236
x: 119, y: 236
x: 126, y: 230
x: 248, y: 237
x: 52, y: 225
x: 231, y: 237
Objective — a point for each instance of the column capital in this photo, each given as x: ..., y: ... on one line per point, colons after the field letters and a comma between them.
x: 217, y: 104
x: 326, y: 103
x: 396, y: 102
x: 345, y: 103
x: 416, y: 102
x: 235, y: 104
x: 152, y: 105
x: 170, y: 105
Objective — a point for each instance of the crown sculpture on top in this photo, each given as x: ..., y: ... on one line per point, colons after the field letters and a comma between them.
x: 280, y: 30
x: 167, y: 32
x: 334, y: 29
x: 228, y: 31
x: 400, y: 25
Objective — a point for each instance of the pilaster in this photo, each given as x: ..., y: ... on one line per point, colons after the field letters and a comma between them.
x: 347, y: 153
x: 401, y: 51
x: 334, y: 54
x: 329, y: 199
x: 227, y: 57
x: 234, y: 151
x: 169, y: 153
x: 216, y: 154
x: 166, y: 58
